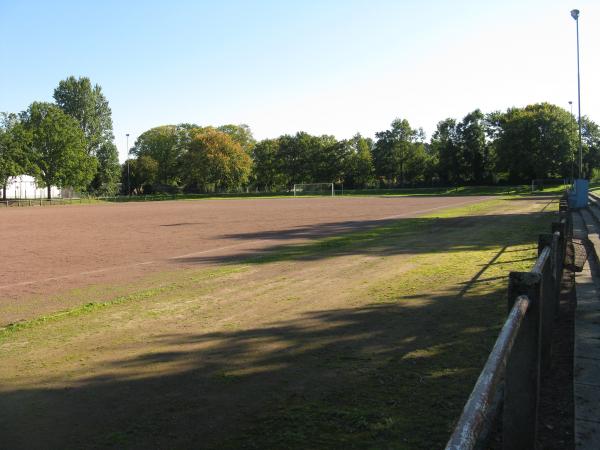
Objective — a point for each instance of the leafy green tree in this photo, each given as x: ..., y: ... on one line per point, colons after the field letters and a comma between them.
x: 86, y: 103
x: 295, y: 157
x: 12, y: 149
x: 304, y: 158
x: 415, y: 166
x: 329, y: 159
x: 165, y: 144
x: 138, y: 175
x: 535, y: 142
x: 360, y: 171
x: 395, y: 150
x: 265, y: 165
x: 215, y: 161
x: 474, y: 163
x: 590, y: 138
x: 242, y: 134
x: 445, y: 145
x: 106, y: 180
x: 57, y: 148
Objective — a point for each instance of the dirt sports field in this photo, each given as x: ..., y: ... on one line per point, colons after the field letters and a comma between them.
x: 311, y: 323
x: 51, y: 250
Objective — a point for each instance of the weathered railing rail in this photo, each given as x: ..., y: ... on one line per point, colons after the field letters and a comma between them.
x: 522, y: 351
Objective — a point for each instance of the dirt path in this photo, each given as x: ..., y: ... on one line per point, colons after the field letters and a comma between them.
x: 50, y: 251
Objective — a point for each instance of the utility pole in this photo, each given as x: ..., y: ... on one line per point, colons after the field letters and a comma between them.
x: 575, y: 15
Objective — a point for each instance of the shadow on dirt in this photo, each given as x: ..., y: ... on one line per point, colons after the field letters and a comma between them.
x: 373, y: 238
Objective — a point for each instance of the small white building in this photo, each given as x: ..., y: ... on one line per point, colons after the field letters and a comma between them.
x: 24, y: 186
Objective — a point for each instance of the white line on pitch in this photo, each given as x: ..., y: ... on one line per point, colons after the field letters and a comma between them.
x: 423, y: 211
x: 108, y: 269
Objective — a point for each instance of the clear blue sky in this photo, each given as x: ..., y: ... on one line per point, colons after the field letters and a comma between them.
x: 335, y: 67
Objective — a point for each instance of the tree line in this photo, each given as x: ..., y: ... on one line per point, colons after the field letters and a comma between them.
x: 68, y: 143
x: 538, y: 141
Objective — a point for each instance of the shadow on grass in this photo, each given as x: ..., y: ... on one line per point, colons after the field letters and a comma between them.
x: 381, y: 238
x: 389, y: 375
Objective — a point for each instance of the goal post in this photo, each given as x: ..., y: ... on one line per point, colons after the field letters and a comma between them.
x: 326, y: 189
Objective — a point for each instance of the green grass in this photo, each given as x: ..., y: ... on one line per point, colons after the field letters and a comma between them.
x: 180, y: 287
x: 400, y: 229
x: 410, y: 396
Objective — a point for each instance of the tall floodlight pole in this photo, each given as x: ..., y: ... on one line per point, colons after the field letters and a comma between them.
x: 128, y: 185
x: 572, y: 153
x: 575, y: 15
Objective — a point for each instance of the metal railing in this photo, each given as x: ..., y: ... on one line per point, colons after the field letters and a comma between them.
x: 522, y: 351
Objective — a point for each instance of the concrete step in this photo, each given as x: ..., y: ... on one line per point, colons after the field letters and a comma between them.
x: 586, y: 383
x: 592, y: 226
x: 594, y: 208
x: 579, y: 240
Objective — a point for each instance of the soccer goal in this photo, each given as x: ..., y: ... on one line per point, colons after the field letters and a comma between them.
x: 314, y: 189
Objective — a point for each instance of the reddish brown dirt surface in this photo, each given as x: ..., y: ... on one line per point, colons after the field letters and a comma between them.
x: 50, y: 250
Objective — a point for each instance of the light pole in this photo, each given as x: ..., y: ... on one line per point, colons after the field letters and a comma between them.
x: 128, y: 185
x: 575, y: 15
x: 572, y: 153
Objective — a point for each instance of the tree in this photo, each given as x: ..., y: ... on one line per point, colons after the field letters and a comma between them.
x: 359, y: 172
x: 329, y: 159
x: 265, y: 165
x: 240, y: 134
x: 535, y: 142
x: 88, y: 105
x: 57, y: 148
x: 139, y: 175
x: 106, y: 180
x: 394, y: 150
x: 295, y: 157
x: 215, y: 161
x: 165, y: 144
x: 473, y: 148
x: 590, y: 138
x: 446, y: 148
x: 12, y: 149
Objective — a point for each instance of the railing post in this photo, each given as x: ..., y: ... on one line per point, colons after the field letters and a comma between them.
x: 521, y: 392
x: 558, y: 268
x: 561, y: 227
x: 547, y: 299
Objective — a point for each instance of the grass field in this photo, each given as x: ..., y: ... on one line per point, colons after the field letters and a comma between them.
x: 332, y: 335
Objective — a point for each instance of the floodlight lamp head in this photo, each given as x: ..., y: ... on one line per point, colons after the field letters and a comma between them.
x: 575, y: 14
x: 570, y: 102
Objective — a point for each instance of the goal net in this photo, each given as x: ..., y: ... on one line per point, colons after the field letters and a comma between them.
x: 314, y: 189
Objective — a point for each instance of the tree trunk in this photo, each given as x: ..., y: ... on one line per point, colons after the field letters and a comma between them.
x: 49, y: 192
x: 4, y: 191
